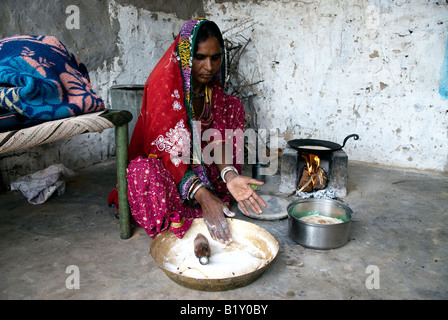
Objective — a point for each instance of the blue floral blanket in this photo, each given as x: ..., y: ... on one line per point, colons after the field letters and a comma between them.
x: 41, y: 80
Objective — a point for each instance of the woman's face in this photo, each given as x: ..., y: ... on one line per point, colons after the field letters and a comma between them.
x: 206, y: 61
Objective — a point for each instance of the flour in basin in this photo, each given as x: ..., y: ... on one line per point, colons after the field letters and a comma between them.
x: 239, y: 257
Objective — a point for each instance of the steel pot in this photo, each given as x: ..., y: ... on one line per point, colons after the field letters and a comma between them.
x: 319, y: 236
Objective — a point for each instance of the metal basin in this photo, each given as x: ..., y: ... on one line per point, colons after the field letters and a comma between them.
x: 319, y: 236
x: 245, y: 235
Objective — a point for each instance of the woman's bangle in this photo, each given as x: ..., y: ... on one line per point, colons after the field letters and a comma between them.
x: 195, y: 180
x: 190, y: 189
x: 200, y: 185
x: 227, y: 169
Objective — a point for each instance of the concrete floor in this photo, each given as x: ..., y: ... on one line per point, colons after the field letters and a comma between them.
x: 398, y: 231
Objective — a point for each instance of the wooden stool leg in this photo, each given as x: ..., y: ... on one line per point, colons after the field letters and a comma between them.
x: 121, y: 145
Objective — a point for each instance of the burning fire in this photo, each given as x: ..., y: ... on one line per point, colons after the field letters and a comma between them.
x: 312, y: 163
x: 314, y: 178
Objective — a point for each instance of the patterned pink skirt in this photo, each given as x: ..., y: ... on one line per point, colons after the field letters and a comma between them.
x: 154, y: 200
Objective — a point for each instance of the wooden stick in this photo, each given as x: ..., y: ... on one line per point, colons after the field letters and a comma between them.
x: 307, y: 184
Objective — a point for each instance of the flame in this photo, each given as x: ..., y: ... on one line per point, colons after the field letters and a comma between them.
x: 315, y: 177
x: 312, y: 164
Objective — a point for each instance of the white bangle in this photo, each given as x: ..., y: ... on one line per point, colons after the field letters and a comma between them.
x: 227, y: 169
x: 193, y: 183
x: 200, y: 185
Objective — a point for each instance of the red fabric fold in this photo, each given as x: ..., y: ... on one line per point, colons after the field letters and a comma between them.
x: 162, y: 129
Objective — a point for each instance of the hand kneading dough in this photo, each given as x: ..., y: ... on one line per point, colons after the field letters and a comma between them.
x: 237, y: 258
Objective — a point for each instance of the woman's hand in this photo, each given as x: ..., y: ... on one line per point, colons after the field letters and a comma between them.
x: 214, y: 212
x: 239, y: 187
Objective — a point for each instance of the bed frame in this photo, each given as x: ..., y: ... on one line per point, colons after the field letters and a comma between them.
x: 69, y: 127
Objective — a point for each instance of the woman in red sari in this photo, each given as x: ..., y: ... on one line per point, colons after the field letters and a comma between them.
x: 169, y: 181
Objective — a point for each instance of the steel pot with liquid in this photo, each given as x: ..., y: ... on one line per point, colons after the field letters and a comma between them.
x: 315, y: 235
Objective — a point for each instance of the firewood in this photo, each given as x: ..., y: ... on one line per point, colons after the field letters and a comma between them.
x: 321, y: 179
x: 305, y: 183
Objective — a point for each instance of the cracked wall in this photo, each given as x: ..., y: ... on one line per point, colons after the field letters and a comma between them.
x: 332, y: 68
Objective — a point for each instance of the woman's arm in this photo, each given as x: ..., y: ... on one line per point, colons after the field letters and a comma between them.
x: 214, y: 212
x: 240, y: 188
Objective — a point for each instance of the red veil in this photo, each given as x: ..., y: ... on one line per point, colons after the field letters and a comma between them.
x: 164, y: 128
x: 165, y: 125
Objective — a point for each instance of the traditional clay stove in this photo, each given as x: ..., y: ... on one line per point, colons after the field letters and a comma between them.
x: 314, y: 169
